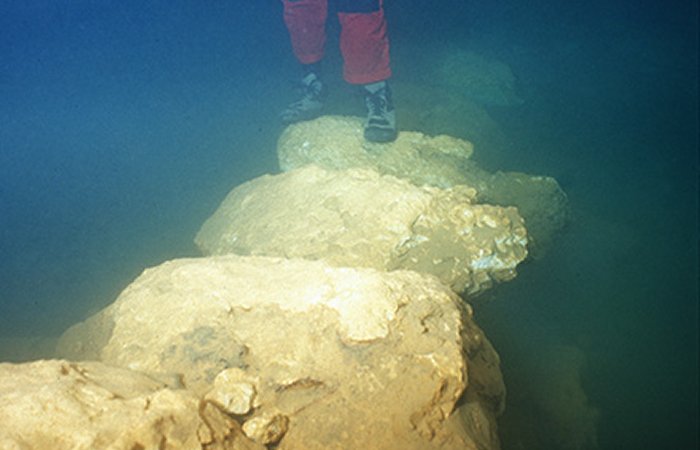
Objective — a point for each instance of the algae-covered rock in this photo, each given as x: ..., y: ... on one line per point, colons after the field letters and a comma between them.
x: 359, y: 218
x: 332, y: 358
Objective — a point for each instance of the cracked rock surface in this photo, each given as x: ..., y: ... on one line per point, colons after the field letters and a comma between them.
x: 58, y: 404
x: 309, y: 356
x: 359, y: 218
x: 337, y: 143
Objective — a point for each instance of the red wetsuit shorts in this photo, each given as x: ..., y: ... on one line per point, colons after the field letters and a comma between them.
x: 363, y: 38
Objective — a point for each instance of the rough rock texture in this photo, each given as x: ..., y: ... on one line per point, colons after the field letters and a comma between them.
x: 337, y: 143
x: 539, y: 199
x: 315, y: 357
x: 358, y: 218
x: 58, y: 405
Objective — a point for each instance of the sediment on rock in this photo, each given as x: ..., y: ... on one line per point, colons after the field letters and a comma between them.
x: 310, y: 356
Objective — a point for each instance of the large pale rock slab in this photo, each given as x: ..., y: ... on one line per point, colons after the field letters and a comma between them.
x: 337, y: 143
x: 59, y: 404
x: 309, y: 356
x: 358, y: 218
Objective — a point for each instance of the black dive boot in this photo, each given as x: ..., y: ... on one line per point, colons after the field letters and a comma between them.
x: 381, y: 117
x: 310, y: 103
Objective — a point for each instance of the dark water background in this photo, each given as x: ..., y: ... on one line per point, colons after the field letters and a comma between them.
x: 124, y: 123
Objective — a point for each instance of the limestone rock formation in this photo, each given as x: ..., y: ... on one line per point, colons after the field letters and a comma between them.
x: 58, y: 404
x: 358, y: 218
x: 337, y: 142
x: 309, y: 356
x: 539, y: 199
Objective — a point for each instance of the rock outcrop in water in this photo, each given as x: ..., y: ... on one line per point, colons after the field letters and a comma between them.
x: 325, y: 315
x: 306, y: 355
x: 358, y: 218
x: 337, y: 143
x: 63, y: 405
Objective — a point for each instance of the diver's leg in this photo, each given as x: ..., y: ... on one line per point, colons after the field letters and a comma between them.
x: 306, y: 22
x: 363, y: 41
x: 364, y: 44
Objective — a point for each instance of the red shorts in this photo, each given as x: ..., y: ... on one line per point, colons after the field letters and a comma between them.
x: 363, y: 38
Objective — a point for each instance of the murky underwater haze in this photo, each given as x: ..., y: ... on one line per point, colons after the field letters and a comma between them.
x: 124, y: 124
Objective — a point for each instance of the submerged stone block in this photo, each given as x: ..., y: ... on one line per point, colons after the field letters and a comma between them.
x: 359, y: 218
x: 58, y: 404
x: 337, y: 143
x: 333, y: 357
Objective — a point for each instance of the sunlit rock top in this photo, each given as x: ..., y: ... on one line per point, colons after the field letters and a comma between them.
x: 336, y: 142
x: 359, y: 218
x: 308, y: 356
x: 64, y: 405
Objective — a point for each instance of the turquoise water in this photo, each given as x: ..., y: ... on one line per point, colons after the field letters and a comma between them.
x: 123, y: 125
